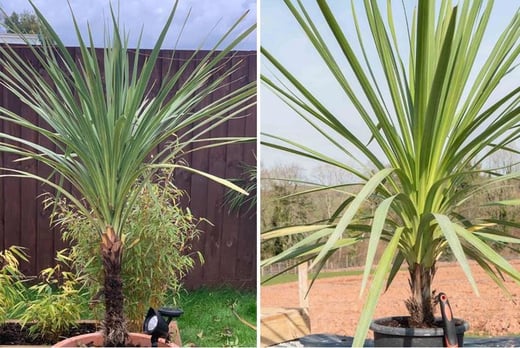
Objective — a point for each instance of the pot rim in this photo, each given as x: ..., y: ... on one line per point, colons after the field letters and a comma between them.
x: 410, y: 331
x: 98, y: 335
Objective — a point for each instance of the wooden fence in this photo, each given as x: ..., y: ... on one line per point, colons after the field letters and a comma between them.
x: 229, y: 246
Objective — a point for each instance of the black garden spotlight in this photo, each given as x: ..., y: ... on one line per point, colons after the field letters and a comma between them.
x: 155, y: 325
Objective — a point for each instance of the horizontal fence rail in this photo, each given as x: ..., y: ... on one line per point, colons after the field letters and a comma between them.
x: 339, y: 264
x: 228, y: 244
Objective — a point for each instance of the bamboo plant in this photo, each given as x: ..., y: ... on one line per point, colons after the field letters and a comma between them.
x: 434, y: 116
x: 103, y: 124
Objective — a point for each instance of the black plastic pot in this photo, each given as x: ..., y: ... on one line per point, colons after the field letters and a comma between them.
x: 389, y: 336
x: 325, y: 340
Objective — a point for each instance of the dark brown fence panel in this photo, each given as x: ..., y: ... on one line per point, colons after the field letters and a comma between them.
x: 228, y: 245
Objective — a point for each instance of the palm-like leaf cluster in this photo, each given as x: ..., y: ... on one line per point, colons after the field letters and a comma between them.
x: 105, y: 114
x: 435, y: 117
x: 103, y: 119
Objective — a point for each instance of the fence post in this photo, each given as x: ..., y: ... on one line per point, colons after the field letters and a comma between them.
x: 303, y: 284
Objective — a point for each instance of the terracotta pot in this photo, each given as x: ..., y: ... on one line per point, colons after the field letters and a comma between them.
x: 96, y: 339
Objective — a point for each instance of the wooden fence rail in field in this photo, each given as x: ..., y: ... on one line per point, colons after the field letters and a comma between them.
x: 229, y: 246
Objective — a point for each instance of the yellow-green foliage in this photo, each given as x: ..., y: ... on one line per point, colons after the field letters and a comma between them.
x: 157, y: 237
x: 55, y: 306
x: 10, y: 279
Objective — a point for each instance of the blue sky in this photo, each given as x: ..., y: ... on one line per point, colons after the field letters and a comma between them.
x: 149, y: 15
x: 284, y: 39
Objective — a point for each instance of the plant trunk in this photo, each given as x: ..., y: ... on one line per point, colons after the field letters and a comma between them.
x: 420, y: 304
x: 114, y: 325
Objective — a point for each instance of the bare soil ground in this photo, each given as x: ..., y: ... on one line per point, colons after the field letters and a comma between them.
x: 13, y: 334
x: 335, y: 305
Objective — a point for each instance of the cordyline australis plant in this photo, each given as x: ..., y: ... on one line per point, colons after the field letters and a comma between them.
x: 430, y: 128
x: 103, y: 124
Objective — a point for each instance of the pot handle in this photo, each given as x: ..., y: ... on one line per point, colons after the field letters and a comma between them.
x: 450, y: 335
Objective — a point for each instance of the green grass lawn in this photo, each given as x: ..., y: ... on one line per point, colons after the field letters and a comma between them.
x: 209, y: 321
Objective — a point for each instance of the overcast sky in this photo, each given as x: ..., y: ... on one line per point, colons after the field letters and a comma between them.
x: 149, y: 15
x: 281, y: 35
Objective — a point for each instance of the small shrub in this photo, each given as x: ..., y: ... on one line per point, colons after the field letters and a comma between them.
x: 11, y: 279
x: 157, y: 253
x: 55, y: 304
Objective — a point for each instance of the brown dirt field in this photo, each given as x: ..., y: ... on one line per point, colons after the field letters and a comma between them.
x: 335, y: 305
